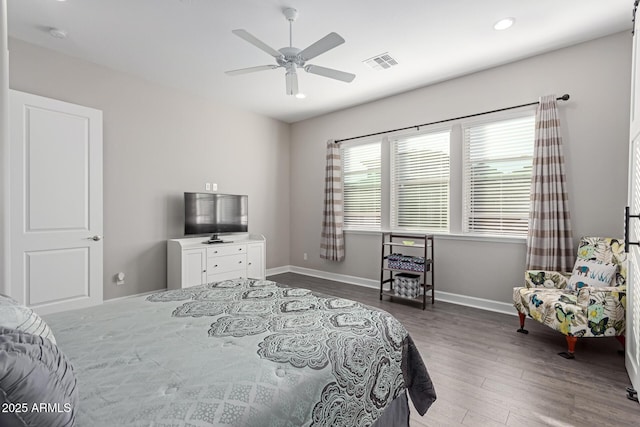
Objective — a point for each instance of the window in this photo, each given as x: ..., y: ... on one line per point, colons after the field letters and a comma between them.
x: 406, y: 182
x: 362, y: 183
x: 420, y: 182
x: 498, y: 159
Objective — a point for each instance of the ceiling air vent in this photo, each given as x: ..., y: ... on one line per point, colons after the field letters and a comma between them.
x: 381, y: 62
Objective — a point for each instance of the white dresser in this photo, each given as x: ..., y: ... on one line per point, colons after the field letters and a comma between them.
x: 192, y: 262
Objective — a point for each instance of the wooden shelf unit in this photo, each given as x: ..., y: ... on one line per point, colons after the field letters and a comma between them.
x: 424, y: 245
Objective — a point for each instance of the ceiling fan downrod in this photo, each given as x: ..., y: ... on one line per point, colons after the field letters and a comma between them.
x: 291, y: 14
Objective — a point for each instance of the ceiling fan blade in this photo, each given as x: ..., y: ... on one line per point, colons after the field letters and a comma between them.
x: 292, y: 83
x: 250, y: 70
x: 330, y: 72
x: 245, y: 35
x: 326, y: 43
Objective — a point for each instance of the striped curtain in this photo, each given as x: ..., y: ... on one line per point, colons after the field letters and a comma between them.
x: 332, y: 241
x: 549, y: 239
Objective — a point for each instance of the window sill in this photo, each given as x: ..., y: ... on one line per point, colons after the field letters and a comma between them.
x: 450, y: 236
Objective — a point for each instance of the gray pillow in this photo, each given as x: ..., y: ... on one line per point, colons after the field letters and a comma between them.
x: 17, y: 316
x: 37, y: 382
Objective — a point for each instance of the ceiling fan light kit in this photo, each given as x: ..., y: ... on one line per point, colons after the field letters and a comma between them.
x: 291, y: 58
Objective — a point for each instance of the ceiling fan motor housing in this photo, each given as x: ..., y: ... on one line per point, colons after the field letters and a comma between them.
x: 290, y: 55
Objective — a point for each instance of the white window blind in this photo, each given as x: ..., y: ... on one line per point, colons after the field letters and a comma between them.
x: 420, y: 182
x: 498, y: 159
x: 361, y: 175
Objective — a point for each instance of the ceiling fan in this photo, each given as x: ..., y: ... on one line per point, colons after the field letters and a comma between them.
x: 291, y: 58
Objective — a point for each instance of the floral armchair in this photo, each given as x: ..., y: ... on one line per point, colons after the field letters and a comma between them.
x: 590, y: 301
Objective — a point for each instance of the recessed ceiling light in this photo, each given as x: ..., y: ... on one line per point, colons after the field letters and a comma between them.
x: 57, y: 33
x: 300, y: 95
x: 503, y: 24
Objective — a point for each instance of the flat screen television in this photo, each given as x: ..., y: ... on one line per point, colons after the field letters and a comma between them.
x: 213, y: 213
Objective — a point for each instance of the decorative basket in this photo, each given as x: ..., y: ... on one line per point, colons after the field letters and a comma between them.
x: 404, y: 262
x: 407, y: 285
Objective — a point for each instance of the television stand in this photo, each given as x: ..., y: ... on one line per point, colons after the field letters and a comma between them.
x: 214, y: 239
x: 192, y: 261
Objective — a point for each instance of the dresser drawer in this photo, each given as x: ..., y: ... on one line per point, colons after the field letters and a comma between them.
x: 223, y: 264
x: 226, y: 249
x: 227, y: 275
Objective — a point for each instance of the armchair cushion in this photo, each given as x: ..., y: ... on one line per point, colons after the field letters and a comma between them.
x: 591, y: 312
x: 589, y: 272
x: 605, y: 309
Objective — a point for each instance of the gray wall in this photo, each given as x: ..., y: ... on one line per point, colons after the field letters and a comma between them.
x: 158, y: 143
x: 595, y: 129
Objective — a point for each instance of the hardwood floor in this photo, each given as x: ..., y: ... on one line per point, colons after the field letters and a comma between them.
x: 487, y: 374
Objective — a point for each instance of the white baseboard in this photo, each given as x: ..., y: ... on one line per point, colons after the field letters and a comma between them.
x: 278, y: 270
x: 110, y: 300
x: 475, y: 302
x: 481, y: 303
x: 353, y: 280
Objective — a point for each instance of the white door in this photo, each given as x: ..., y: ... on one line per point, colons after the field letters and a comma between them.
x: 632, y: 351
x: 56, y: 203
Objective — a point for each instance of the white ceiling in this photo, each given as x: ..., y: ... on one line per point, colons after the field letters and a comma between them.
x: 188, y: 44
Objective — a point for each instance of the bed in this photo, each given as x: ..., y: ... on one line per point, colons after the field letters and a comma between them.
x: 241, y: 352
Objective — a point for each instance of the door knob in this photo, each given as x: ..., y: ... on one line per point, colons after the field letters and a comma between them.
x: 95, y: 238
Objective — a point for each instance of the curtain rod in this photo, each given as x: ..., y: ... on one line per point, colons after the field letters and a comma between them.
x: 564, y: 97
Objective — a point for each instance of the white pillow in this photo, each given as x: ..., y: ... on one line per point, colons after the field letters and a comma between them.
x: 591, y: 273
x: 17, y: 316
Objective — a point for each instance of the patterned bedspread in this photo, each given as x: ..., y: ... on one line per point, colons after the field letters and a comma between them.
x: 240, y: 352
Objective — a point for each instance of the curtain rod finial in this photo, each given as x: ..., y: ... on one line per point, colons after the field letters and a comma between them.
x: 565, y: 97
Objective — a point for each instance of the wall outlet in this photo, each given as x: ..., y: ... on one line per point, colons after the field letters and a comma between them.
x: 304, y: 256
x: 120, y: 279
x: 207, y: 186
x: 214, y: 187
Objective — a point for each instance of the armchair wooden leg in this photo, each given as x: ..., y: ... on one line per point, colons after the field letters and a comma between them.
x: 571, y: 346
x: 522, y: 330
